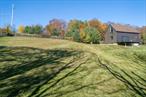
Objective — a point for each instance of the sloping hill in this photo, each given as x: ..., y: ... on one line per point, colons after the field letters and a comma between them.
x: 41, y: 67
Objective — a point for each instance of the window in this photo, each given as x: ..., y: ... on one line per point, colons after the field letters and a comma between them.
x: 111, y: 37
x: 111, y: 29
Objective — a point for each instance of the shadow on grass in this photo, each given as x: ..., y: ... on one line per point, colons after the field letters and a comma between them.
x: 24, y: 69
x: 35, y: 59
x: 58, y: 94
x: 32, y: 72
x: 133, y: 81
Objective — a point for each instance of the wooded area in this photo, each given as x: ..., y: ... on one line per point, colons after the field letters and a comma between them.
x: 91, y: 31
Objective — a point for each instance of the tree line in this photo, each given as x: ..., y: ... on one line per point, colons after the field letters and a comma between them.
x: 91, y: 31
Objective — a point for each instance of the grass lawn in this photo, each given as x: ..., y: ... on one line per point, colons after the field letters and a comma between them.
x: 41, y: 67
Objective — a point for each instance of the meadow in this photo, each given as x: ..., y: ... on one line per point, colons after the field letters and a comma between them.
x: 42, y: 67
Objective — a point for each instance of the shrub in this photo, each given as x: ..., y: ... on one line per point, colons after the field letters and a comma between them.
x: 91, y: 35
x: 76, y: 36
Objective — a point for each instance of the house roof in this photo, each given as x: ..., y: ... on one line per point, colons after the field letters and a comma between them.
x: 124, y: 28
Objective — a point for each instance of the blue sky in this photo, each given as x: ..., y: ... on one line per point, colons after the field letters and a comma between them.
x: 28, y: 12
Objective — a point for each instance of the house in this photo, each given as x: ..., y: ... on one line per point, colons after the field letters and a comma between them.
x: 3, y: 32
x: 121, y: 34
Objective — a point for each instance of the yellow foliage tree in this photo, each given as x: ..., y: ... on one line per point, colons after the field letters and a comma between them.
x: 82, y: 32
x: 21, y: 29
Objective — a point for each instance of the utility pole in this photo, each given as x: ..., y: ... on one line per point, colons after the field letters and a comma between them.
x: 12, y: 15
x: 12, y: 19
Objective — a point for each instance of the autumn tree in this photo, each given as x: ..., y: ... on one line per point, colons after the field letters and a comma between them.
x: 83, y: 31
x: 101, y: 27
x: 56, y: 27
x: 21, y: 29
x: 73, y: 30
x: 143, y: 34
x: 83, y: 25
x: 48, y: 30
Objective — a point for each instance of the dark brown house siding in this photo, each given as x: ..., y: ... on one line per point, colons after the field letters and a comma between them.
x: 110, y: 35
x: 114, y: 36
x: 128, y: 37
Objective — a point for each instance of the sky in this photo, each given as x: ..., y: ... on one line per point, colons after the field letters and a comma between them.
x: 29, y: 12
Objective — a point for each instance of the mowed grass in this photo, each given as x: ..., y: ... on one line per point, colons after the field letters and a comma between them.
x: 41, y: 67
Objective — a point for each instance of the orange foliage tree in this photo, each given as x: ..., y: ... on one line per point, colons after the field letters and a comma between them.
x: 56, y: 27
x: 101, y: 27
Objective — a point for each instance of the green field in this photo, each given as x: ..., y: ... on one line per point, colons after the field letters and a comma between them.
x: 41, y: 67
